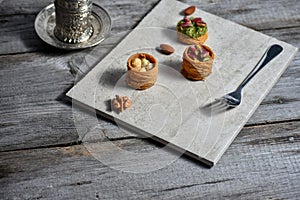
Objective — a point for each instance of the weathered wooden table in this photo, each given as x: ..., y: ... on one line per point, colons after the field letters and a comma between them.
x: 42, y: 156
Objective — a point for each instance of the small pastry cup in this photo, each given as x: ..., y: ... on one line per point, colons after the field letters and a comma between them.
x: 141, y: 80
x: 188, y: 40
x: 195, y: 69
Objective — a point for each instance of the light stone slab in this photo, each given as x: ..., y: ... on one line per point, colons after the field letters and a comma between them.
x: 175, y: 110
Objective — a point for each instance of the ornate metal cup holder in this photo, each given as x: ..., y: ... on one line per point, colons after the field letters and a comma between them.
x: 45, y: 24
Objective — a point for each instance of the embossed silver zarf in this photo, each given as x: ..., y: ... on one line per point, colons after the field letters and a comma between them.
x: 73, y: 20
x: 79, y: 24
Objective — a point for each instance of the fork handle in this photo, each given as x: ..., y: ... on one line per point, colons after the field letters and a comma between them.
x: 270, y: 53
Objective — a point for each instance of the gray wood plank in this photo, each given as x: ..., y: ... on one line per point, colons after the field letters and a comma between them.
x: 262, y: 163
x: 17, y: 22
x: 17, y: 17
x: 30, y: 106
x: 257, y: 14
x: 34, y: 111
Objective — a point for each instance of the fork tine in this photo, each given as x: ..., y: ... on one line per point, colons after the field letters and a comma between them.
x: 222, y: 101
x: 226, y: 101
x: 222, y: 105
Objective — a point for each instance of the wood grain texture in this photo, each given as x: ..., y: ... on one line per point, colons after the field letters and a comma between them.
x: 17, y: 22
x: 262, y: 163
x: 17, y: 17
x: 264, y: 167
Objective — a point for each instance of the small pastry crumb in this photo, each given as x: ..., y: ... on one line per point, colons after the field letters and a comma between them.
x: 120, y: 103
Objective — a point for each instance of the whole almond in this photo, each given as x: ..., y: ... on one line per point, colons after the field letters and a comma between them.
x: 190, y: 10
x: 167, y: 49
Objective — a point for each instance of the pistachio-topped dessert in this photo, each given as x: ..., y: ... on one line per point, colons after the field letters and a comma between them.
x: 192, y: 30
x: 197, y: 62
x: 199, y: 52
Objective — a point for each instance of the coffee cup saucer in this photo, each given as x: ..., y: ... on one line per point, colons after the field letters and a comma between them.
x: 45, y: 23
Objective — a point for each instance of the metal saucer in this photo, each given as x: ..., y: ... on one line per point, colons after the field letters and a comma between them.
x: 45, y: 23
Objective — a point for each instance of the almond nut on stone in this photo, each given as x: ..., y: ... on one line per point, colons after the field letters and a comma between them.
x: 167, y: 49
x: 190, y: 10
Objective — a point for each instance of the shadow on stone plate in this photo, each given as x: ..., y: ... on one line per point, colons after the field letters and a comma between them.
x: 108, y: 105
x: 172, y: 34
x: 112, y: 77
x: 214, y: 108
x: 174, y: 64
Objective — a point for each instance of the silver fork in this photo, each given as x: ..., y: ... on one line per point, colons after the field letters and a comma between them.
x: 233, y: 99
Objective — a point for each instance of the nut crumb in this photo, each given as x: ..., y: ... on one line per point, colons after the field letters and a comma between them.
x: 120, y: 103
